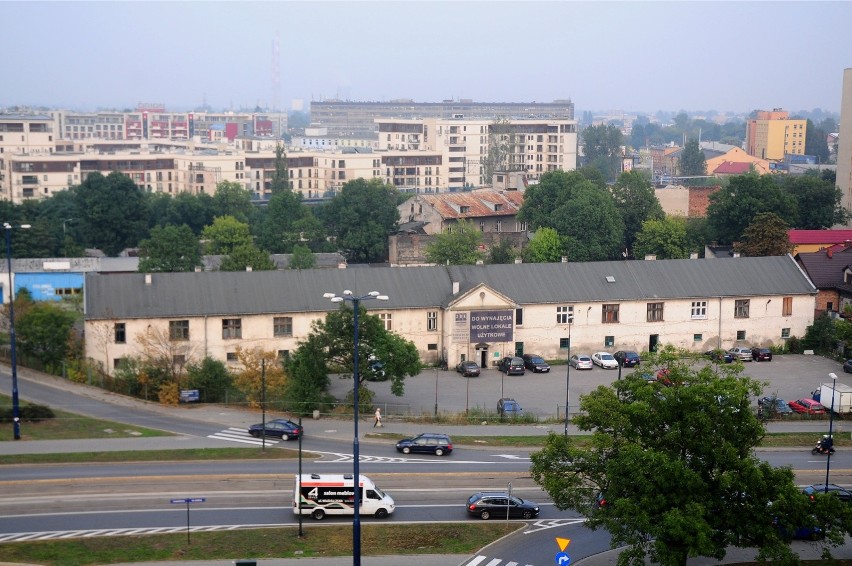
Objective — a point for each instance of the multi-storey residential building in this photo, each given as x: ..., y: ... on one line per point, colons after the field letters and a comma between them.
x: 470, y: 148
x: 25, y: 141
x: 772, y: 135
x: 356, y: 119
x: 844, y: 147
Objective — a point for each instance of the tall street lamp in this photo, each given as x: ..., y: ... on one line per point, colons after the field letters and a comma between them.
x: 568, y: 375
x: 833, y: 377
x: 16, y: 409
x: 356, y: 306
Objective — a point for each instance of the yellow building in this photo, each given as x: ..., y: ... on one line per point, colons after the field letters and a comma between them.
x: 772, y: 135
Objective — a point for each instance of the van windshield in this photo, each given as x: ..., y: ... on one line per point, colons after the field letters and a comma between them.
x: 379, y: 492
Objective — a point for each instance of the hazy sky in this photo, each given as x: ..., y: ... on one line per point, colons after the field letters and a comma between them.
x: 635, y: 56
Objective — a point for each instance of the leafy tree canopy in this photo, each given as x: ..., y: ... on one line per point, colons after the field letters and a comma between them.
x: 43, y: 331
x: 636, y: 203
x: 335, y: 334
x: 602, y: 141
x: 302, y: 258
x: 279, y: 230
x: 545, y: 247
x: 583, y: 214
x: 733, y: 207
x: 226, y: 234
x: 692, y: 160
x: 246, y: 255
x: 233, y: 200
x: 665, y: 238
x: 818, y: 201
x: 169, y: 249
x: 765, y: 236
x: 457, y: 245
x: 111, y: 212
x: 700, y: 430
x: 501, y: 252
x: 361, y: 217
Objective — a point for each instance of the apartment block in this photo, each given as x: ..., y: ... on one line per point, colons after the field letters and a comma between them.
x: 772, y: 135
x: 844, y: 147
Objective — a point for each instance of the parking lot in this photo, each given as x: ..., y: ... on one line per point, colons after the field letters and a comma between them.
x: 789, y: 377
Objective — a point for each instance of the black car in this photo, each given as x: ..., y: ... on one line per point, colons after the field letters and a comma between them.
x: 426, y: 443
x: 842, y: 493
x: 720, y: 356
x: 535, y: 363
x: 278, y: 428
x: 499, y: 504
x: 512, y: 366
x: 375, y: 370
x: 626, y: 359
x: 774, y: 407
x: 468, y: 369
x: 761, y: 354
x: 847, y: 366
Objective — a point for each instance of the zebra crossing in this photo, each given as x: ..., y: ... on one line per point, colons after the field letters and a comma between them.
x: 481, y: 561
x: 241, y: 435
x: 92, y: 533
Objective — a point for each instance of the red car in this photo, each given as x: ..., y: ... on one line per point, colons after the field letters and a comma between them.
x: 807, y: 406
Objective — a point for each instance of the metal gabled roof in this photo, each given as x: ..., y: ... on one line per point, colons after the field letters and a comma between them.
x: 638, y: 280
x: 114, y: 296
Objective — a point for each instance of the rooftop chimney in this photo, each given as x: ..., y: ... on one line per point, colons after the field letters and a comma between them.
x: 828, y: 252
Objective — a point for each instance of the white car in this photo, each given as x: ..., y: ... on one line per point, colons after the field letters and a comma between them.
x: 580, y: 361
x: 605, y: 360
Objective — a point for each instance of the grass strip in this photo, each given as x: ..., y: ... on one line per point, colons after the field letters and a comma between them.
x: 319, y: 541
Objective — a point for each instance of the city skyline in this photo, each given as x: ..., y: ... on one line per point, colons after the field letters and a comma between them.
x: 631, y: 56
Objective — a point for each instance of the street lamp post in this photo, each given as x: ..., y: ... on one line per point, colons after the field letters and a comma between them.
x: 16, y: 409
x: 568, y: 378
x: 833, y: 377
x: 356, y: 521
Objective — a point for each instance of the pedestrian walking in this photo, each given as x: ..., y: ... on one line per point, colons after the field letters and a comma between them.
x: 378, y: 422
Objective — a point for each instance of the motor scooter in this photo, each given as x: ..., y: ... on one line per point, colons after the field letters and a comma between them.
x: 824, y: 445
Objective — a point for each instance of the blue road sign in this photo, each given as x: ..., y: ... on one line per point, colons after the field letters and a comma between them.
x: 191, y: 500
x: 562, y: 559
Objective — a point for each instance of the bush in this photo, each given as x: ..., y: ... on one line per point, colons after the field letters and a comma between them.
x: 29, y: 413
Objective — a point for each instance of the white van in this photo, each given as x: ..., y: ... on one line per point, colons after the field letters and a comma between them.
x: 333, y: 494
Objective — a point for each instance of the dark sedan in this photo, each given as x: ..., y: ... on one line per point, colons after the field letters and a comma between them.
x: 468, y: 369
x: 535, y: 363
x: 847, y: 366
x: 500, y: 505
x: 720, y: 356
x: 761, y: 354
x: 279, y: 428
x: 627, y: 359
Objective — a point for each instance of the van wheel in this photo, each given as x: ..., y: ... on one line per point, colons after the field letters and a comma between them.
x: 318, y: 514
x: 485, y: 515
x: 439, y: 452
x: 527, y: 514
x: 381, y: 513
x: 406, y: 450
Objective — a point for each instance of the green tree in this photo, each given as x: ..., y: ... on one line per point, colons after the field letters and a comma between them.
x: 700, y: 430
x: 302, y: 258
x: 335, y: 337
x: 43, y: 331
x: 169, y: 249
x: 818, y: 201
x: 306, y: 388
x: 361, y: 217
x: 582, y: 213
x: 765, y: 236
x: 733, y: 207
x: 232, y: 199
x: 666, y: 239
x: 226, y: 234
x: 501, y: 252
x: 281, y: 176
x: 280, y: 229
x: 112, y: 213
x: 243, y: 256
x: 196, y: 211
x: 211, y: 378
x: 692, y: 160
x: 816, y: 142
x: 456, y: 245
x: 602, y: 148
x: 545, y: 247
x: 636, y: 202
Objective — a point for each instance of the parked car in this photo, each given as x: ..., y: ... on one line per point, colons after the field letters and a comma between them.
x: 761, y: 354
x: 605, y: 360
x: 499, y: 504
x: 773, y: 406
x: 375, y: 370
x: 807, y: 406
x: 841, y: 492
x: 508, y: 407
x: 847, y: 366
x: 512, y: 366
x: 741, y: 353
x: 279, y: 428
x: 580, y: 361
x: 426, y: 443
x: 535, y: 363
x: 626, y: 358
x: 720, y: 356
x: 468, y: 369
